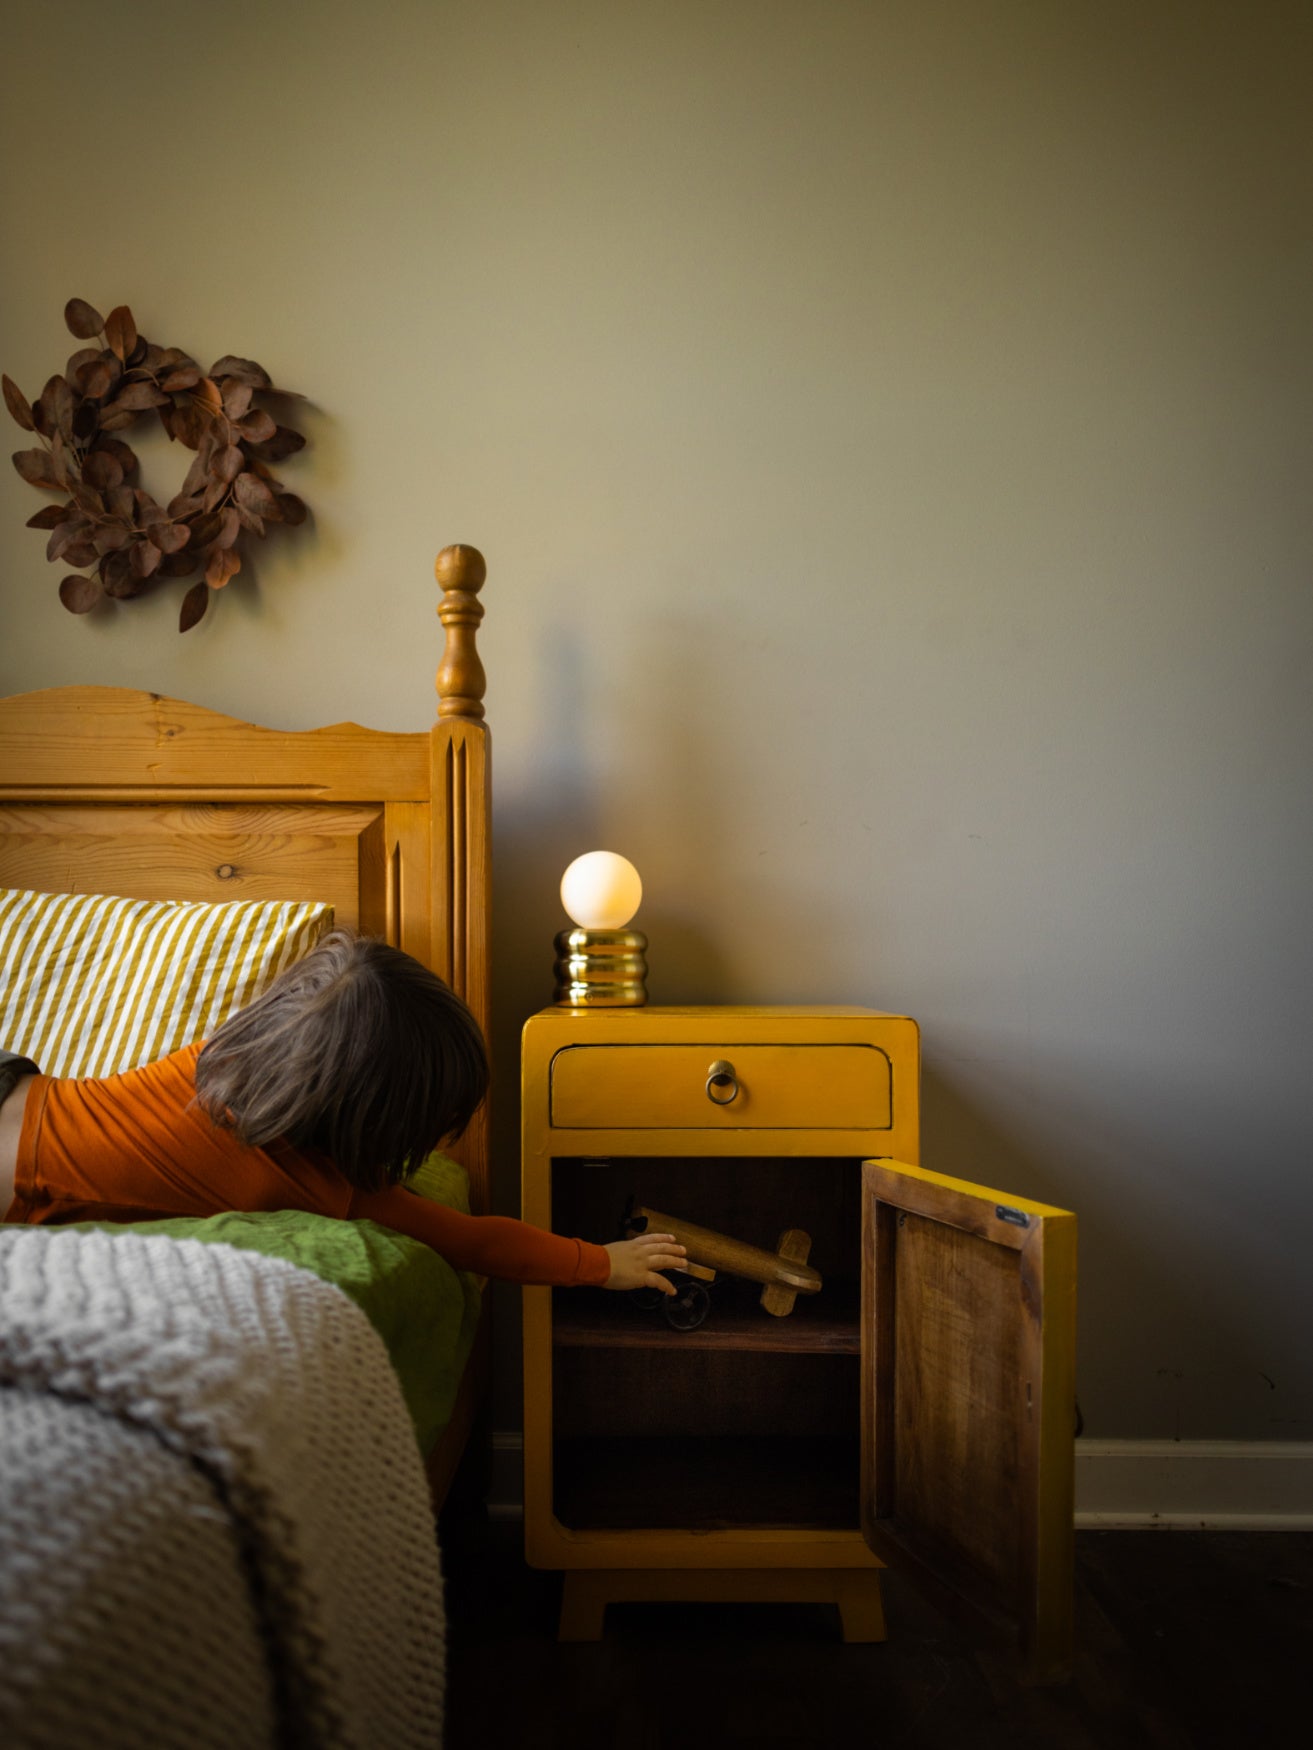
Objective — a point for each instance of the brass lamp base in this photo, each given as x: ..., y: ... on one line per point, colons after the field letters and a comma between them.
x: 600, y: 969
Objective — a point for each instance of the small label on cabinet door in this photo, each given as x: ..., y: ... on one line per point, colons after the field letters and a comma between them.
x: 1017, y: 1217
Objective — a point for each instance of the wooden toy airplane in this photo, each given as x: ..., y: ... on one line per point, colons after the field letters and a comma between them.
x: 784, y: 1273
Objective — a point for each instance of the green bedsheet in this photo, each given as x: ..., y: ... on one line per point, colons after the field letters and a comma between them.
x: 424, y: 1310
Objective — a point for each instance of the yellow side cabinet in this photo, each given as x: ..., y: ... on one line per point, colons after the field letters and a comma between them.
x: 912, y: 1403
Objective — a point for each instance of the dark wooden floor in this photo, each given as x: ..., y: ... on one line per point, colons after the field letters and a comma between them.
x: 1185, y: 1639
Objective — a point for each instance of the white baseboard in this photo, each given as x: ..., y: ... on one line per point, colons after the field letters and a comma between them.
x: 1204, y: 1485
x: 1210, y: 1485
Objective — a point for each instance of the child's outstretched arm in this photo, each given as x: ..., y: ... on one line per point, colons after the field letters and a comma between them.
x: 514, y: 1251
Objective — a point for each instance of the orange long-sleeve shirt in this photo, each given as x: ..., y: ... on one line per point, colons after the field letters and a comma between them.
x: 134, y: 1147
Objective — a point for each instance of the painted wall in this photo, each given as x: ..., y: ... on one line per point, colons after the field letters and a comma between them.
x: 888, y: 429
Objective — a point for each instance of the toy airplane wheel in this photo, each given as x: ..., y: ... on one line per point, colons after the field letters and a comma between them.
x: 686, y: 1310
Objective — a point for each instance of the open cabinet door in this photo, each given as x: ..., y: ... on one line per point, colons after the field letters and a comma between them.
x: 968, y: 1403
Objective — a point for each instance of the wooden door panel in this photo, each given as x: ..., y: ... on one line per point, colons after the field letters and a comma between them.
x: 957, y: 1369
x: 968, y: 1334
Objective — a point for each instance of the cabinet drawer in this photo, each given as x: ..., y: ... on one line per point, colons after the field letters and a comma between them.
x: 665, y: 1087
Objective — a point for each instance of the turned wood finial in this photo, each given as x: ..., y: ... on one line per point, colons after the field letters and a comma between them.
x: 461, y: 680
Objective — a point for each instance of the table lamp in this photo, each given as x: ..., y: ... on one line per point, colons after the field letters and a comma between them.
x: 600, y: 963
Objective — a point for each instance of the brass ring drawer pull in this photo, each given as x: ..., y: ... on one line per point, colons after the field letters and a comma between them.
x: 722, y: 1083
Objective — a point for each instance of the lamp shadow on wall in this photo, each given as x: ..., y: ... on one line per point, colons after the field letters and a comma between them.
x: 536, y: 833
x: 702, y: 737
x: 666, y: 820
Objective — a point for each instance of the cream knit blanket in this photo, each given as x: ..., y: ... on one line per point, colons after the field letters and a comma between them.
x: 269, y: 1401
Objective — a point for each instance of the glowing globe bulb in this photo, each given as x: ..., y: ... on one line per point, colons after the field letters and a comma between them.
x: 601, y: 891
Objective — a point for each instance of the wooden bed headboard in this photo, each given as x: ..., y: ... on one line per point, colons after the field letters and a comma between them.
x: 106, y: 790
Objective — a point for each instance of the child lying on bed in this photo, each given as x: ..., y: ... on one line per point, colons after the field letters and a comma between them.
x: 325, y: 1095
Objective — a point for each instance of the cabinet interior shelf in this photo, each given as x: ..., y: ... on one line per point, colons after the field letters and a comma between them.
x: 706, y: 1485
x: 803, y: 1332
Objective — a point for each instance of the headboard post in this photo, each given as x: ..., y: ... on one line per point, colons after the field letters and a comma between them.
x: 461, y: 681
x: 461, y: 851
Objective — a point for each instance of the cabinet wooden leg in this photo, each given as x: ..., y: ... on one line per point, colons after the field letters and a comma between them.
x: 585, y: 1594
x: 861, y: 1605
x: 583, y: 1607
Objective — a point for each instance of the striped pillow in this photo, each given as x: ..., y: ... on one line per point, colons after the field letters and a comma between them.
x: 91, y: 985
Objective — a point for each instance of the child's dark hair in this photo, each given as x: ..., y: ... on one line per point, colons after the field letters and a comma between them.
x: 356, y: 1050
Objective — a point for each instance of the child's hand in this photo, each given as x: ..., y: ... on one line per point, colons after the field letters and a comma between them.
x: 635, y: 1263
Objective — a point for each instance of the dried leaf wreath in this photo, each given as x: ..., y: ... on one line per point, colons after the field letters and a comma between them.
x: 109, y: 523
